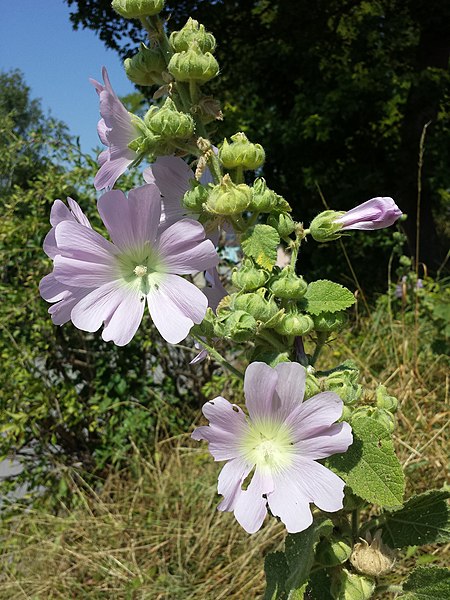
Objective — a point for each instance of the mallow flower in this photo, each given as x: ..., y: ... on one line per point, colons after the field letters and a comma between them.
x: 376, y: 213
x: 278, y: 444
x: 112, y: 281
x: 117, y: 129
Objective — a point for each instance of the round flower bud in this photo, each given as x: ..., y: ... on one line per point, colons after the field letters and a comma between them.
x: 256, y: 305
x: 190, y: 33
x: 382, y: 416
x: 240, y: 326
x: 248, y: 277
x: 133, y: 9
x: 294, y: 323
x: 194, y: 199
x: 241, y: 153
x: 288, y: 286
x: 145, y: 67
x: 349, y: 586
x: 333, y: 552
x: 385, y: 401
x: 193, y: 65
x: 344, y: 382
x: 283, y: 223
x: 374, y: 558
x: 312, y: 385
x: 263, y: 198
x: 227, y: 199
x: 328, y: 322
x: 324, y: 227
x: 168, y: 122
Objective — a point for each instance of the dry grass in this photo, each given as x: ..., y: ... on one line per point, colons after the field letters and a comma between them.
x: 156, y: 534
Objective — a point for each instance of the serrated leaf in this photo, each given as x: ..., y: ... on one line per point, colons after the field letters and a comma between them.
x: 370, y: 467
x: 261, y: 244
x: 326, y: 296
x: 424, y: 519
x: 427, y: 583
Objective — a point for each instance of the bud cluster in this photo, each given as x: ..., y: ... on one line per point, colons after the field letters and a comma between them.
x: 192, y: 60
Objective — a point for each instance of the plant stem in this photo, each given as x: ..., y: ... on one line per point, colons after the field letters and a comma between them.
x: 355, y: 523
x: 321, y: 339
x: 218, y: 357
x: 272, y: 340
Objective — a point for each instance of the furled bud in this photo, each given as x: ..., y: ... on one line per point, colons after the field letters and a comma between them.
x: 385, y: 401
x: 256, y: 305
x: 240, y: 326
x: 328, y: 322
x: 324, y: 227
x: 193, y: 65
x: 349, y: 586
x: 312, y: 385
x: 283, y: 223
x: 248, y: 277
x: 382, y: 416
x: 190, y: 33
x: 241, y: 153
x: 344, y: 382
x: 294, y: 323
x: 133, y: 9
x: 263, y: 198
x: 372, y: 557
x: 288, y: 285
x: 226, y: 198
x: 194, y: 198
x: 332, y: 552
x: 145, y: 67
x: 168, y: 122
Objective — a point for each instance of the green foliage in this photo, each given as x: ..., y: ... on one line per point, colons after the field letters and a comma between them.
x: 370, y: 467
x: 260, y: 243
x: 327, y: 296
x: 427, y: 583
x: 424, y: 519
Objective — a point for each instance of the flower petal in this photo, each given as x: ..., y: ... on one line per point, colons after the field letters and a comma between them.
x: 111, y: 170
x: 259, y: 388
x: 230, y: 482
x: 62, y: 310
x: 80, y: 273
x: 224, y: 415
x: 51, y: 289
x: 98, y: 306
x: 289, y: 501
x: 250, y: 505
x: 291, y: 385
x: 333, y: 440
x: 315, y: 415
x: 123, y: 324
x: 375, y: 213
x: 79, y: 242
x: 322, y: 486
x: 175, y: 306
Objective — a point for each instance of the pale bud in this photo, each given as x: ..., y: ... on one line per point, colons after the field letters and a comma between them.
x: 133, y: 9
x: 372, y: 558
x: 190, y: 33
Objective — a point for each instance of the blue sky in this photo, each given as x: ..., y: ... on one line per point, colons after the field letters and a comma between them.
x: 36, y: 37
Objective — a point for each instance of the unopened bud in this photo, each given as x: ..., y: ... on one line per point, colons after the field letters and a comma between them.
x: 168, y: 122
x: 256, y: 305
x: 294, y: 323
x: 263, y: 198
x: 248, y: 277
x: 349, y: 586
x: 324, y: 227
x: 328, y: 322
x: 227, y: 198
x: 240, y: 326
x: 288, y: 285
x: 194, y: 198
x: 193, y: 65
x: 190, y: 33
x: 145, y: 67
x: 312, y: 385
x: 344, y: 382
x: 385, y: 401
x: 133, y: 9
x: 372, y: 558
x: 283, y: 223
x: 241, y: 153
x: 382, y: 416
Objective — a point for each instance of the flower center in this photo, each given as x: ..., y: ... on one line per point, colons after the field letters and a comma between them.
x: 140, y: 270
x: 268, y: 445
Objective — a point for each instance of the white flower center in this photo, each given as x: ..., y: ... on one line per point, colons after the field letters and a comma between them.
x: 268, y: 445
x: 140, y: 270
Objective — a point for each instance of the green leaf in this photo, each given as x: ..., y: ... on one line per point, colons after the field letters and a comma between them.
x: 319, y: 585
x: 276, y: 569
x: 425, y: 519
x: 261, y: 244
x: 370, y: 467
x: 327, y: 296
x: 427, y: 583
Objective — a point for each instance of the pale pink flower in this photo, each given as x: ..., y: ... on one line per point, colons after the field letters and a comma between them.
x: 141, y: 264
x: 116, y: 129
x: 280, y: 443
x: 374, y: 214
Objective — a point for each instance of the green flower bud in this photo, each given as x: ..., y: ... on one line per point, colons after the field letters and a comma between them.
x: 263, y: 198
x: 190, y: 33
x: 333, y: 552
x: 344, y: 382
x: 193, y: 65
x: 374, y: 558
x: 194, y: 199
x: 385, y: 401
x: 324, y: 227
x: 226, y: 198
x: 405, y: 261
x: 248, y: 277
x: 382, y: 416
x: 256, y: 305
x: 145, y: 67
x: 288, y: 286
x: 328, y: 322
x: 294, y: 323
x: 168, y: 122
x: 349, y: 586
x: 240, y: 326
x: 133, y: 9
x: 241, y: 153
x: 312, y: 385
x: 283, y: 223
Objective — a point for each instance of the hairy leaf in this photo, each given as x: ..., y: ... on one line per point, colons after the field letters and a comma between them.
x: 427, y: 583
x: 326, y: 296
x: 261, y: 245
